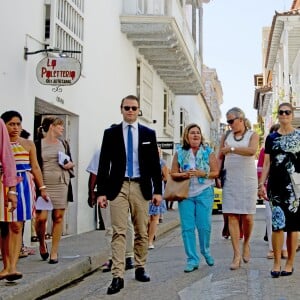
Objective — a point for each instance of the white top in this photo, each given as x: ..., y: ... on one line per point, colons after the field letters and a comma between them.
x: 94, y: 163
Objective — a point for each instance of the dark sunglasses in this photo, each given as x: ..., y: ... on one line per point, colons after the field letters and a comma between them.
x: 287, y: 112
x: 230, y: 122
x: 133, y: 108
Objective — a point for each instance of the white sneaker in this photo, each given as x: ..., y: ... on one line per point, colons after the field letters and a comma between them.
x: 151, y: 247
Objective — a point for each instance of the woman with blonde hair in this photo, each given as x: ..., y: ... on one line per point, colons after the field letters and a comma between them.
x: 195, y: 160
x: 57, y: 179
x: 240, y: 187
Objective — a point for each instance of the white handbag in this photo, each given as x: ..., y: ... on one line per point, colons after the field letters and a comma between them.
x: 295, y: 179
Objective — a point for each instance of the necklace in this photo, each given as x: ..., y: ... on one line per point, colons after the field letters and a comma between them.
x: 240, y: 138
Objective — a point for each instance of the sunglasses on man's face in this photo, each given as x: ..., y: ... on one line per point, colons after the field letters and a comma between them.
x: 230, y: 122
x: 133, y: 108
x: 287, y: 112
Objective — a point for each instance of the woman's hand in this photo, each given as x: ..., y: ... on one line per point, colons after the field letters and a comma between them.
x: 13, y: 199
x: 196, y: 173
x: 261, y: 192
x: 68, y: 165
x: 44, y: 194
x: 225, y: 150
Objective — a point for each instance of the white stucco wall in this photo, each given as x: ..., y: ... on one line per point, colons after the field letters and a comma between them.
x: 109, y: 74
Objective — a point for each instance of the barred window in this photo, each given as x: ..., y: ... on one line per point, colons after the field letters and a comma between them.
x: 65, y: 29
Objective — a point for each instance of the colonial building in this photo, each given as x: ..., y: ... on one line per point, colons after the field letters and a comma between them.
x: 281, y: 73
x: 150, y: 48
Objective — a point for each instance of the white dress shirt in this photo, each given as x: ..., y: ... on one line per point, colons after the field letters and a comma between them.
x: 135, y: 141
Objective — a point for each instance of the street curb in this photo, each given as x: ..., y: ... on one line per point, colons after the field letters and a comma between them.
x: 66, y: 273
x: 56, y: 279
x: 164, y: 228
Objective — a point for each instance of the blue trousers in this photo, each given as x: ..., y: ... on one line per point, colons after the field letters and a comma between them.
x: 195, y: 213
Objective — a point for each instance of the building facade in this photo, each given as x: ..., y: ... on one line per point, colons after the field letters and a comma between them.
x: 281, y: 67
x: 148, y: 48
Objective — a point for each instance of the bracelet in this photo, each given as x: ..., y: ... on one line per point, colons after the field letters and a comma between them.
x: 206, y: 175
x: 260, y: 185
x: 42, y: 187
x: 13, y: 193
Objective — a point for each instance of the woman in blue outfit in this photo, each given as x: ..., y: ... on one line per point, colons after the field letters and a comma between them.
x: 196, y: 160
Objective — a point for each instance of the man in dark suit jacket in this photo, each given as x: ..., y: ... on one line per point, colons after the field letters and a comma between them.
x: 129, y: 189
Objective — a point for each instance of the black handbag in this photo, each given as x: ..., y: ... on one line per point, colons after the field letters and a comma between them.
x: 222, y: 174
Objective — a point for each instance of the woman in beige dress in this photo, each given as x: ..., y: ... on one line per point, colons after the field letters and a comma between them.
x: 56, y: 178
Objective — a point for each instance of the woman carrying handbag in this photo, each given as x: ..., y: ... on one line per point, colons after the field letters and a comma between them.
x: 196, y: 161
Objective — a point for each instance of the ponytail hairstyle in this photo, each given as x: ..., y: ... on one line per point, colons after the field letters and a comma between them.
x: 46, y: 125
x: 238, y: 113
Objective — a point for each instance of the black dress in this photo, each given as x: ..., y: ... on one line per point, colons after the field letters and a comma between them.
x: 284, y: 151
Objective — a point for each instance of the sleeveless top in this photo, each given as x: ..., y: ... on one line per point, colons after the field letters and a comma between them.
x: 240, y: 187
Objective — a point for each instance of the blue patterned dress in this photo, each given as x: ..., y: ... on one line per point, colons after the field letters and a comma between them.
x: 284, y: 151
x: 157, y: 210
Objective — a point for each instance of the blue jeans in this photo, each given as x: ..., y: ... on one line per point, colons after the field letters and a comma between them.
x: 195, y: 212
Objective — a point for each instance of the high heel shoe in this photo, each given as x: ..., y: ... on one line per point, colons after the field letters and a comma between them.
x: 236, y: 263
x: 53, y: 261
x: 275, y: 274
x: 246, y: 258
x: 286, y: 273
x: 45, y: 255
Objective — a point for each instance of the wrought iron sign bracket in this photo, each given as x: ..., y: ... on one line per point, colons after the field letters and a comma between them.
x: 52, y: 50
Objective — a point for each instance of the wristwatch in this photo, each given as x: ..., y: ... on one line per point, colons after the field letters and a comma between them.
x: 232, y: 149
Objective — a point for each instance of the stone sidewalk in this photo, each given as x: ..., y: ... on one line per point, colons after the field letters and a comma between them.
x: 79, y: 255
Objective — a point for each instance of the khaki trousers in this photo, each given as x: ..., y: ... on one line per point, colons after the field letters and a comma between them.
x: 130, y: 199
x: 105, y: 212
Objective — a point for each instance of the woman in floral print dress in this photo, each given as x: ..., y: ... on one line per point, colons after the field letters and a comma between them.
x: 282, y: 158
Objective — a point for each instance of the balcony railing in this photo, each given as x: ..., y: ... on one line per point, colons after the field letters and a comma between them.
x: 159, y: 29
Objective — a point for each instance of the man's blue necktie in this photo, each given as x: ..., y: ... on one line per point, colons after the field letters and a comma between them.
x: 129, y: 152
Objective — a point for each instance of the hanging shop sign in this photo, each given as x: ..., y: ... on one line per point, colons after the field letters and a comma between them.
x: 58, y: 71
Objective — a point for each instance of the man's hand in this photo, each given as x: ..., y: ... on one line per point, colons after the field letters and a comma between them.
x: 92, y: 199
x: 156, y: 199
x: 102, y: 201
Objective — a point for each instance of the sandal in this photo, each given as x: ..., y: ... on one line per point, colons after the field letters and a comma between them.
x: 23, y: 252
x: 270, y: 255
x: 48, y: 236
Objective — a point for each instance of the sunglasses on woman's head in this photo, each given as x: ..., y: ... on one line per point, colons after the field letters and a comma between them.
x: 230, y: 122
x: 287, y: 112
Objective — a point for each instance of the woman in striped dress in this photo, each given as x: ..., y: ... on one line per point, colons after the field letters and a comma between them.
x: 27, y: 168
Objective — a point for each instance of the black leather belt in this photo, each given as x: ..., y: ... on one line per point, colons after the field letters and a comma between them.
x: 134, y: 179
